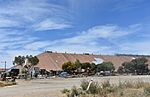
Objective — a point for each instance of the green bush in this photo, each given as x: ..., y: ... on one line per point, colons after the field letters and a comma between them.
x: 121, y: 93
x: 147, y: 90
x: 111, y: 89
x: 74, y: 92
x: 84, y: 84
x: 65, y: 91
x: 94, y: 87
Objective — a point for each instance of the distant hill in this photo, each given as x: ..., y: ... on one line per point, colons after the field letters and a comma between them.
x: 53, y: 61
x: 131, y: 55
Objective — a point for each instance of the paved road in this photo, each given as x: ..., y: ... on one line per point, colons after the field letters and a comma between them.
x: 52, y: 87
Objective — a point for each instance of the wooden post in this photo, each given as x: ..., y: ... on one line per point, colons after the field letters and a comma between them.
x: 89, y: 85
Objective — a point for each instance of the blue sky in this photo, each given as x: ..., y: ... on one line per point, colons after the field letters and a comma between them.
x: 94, y: 26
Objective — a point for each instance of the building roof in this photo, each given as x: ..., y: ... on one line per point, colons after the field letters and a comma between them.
x: 15, y: 67
x: 54, y: 61
x: 2, y: 69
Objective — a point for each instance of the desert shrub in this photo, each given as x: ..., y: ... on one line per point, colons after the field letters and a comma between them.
x: 65, y: 91
x: 129, y: 84
x: 121, y: 93
x: 147, y: 90
x: 120, y: 85
x: 74, y: 92
x: 3, y: 84
x: 84, y: 84
x: 134, y: 95
x: 94, y: 87
x: 126, y: 84
x: 105, y: 89
x: 106, y: 84
x: 111, y: 89
x: 10, y: 83
x: 102, y: 92
x: 139, y: 84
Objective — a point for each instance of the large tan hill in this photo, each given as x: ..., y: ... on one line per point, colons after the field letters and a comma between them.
x: 54, y: 61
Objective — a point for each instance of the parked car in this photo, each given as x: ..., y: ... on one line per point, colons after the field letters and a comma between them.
x: 41, y: 76
x: 64, y: 74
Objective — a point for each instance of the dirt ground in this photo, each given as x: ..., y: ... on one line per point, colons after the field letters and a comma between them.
x: 52, y: 87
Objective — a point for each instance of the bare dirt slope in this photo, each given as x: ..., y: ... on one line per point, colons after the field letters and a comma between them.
x: 54, y: 61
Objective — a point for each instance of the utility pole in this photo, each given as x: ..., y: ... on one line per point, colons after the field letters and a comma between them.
x: 5, y: 66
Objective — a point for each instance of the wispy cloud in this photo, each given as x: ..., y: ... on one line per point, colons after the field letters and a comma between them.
x: 91, y: 40
x: 50, y: 25
x: 141, y: 47
x: 98, y: 39
x: 102, y: 32
x: 126, y: 5
x: 8, y: 23
x: 31, y: 12
x: 21, y: 18
x: 37, y: 45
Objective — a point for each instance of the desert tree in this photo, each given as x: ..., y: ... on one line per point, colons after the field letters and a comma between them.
x: 19, y: 60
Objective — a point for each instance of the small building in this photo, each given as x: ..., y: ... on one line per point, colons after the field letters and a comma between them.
x: 2, y: 70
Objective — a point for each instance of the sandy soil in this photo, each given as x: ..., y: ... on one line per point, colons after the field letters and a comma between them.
x: 52, y: 87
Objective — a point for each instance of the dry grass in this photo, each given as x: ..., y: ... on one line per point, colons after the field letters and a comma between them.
x: 105, y: 89
x: 5, y: 83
